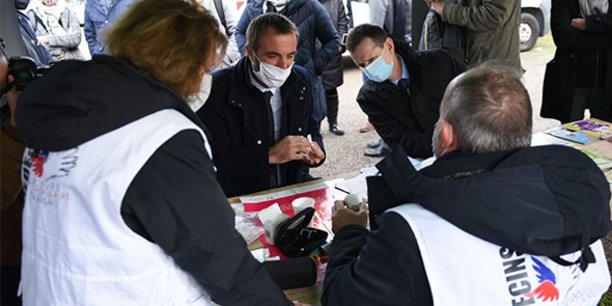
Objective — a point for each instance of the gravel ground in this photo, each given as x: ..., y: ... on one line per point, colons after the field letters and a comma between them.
x: 345, y: 153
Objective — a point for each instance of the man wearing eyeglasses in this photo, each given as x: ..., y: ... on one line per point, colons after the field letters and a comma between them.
x: 404, y: 88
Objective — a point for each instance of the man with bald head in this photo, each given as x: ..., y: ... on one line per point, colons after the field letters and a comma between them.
x: 492, y: 222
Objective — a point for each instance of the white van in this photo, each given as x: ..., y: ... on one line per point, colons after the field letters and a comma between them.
x: 535, y: 22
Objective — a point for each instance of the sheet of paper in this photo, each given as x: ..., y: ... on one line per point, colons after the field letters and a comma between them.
x: 574, y: 136
x: 361, y: 13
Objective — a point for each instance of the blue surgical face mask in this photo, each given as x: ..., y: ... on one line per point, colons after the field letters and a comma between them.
x: 378, y: 70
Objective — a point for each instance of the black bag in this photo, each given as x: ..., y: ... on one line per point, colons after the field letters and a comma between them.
x: 557, y: 93
x: 292, y: 273
x: 295, y: 238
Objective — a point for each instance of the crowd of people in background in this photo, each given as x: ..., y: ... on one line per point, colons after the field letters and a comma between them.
x: 200, y: 104
x: 464, y: 29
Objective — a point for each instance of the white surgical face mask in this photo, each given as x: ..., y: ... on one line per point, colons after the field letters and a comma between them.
x: 197, y: 100
x: 270, y: 75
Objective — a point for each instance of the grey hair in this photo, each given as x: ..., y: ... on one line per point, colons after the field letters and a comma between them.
x: 262, y: 23
x: 489, y: 108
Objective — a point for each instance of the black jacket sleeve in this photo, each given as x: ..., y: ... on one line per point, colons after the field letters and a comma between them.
x: 231, y: 157
x: 568, y: 37
x: 175, y: 202
x: 408, y: 133
x: 326, y: 33
x: 383, y: 267
x: 599, y: 23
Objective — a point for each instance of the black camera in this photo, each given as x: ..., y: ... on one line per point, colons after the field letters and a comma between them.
x: 24, y: 70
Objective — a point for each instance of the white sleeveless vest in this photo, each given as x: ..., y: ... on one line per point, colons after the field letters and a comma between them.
x: 465, y: 270
x: 77, y: 250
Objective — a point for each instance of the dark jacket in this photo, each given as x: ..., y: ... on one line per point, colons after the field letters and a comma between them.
x: 313, y: 23
x: 406, y: 118
x: 438, y: 34
x: 33, y: 49
x: 333, y: 75
x: 583, y: 59
x: 476, y: 193
x: 491, y: 27
x: 174, y: 200
x: 241, y: 124
x: 11, y: 195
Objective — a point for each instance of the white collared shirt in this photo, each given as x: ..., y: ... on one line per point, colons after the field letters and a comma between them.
x: 405, y: 74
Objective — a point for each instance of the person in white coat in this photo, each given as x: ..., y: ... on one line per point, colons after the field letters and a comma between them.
x: 226, y: 13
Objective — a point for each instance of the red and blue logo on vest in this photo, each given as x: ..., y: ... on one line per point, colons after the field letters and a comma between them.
x: 38, y: 161
x: 547, y: 289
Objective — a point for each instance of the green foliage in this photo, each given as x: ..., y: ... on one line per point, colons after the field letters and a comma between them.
x: 606, y: 300
x: 546, y: 43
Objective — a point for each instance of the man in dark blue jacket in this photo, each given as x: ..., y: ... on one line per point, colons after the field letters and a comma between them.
x: 313, y: 23
x: 260, y: 112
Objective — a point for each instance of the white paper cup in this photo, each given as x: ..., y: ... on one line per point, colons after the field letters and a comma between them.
x: 302, y: 203
x: 353, y: 201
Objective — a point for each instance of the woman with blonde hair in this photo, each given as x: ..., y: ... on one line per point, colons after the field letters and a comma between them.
x: 57, y: 28
x: 122, y: 205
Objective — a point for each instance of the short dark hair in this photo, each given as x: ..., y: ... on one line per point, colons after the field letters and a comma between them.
x: 262, y: 23
x: 361, y: 32
x: 489, y: 108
